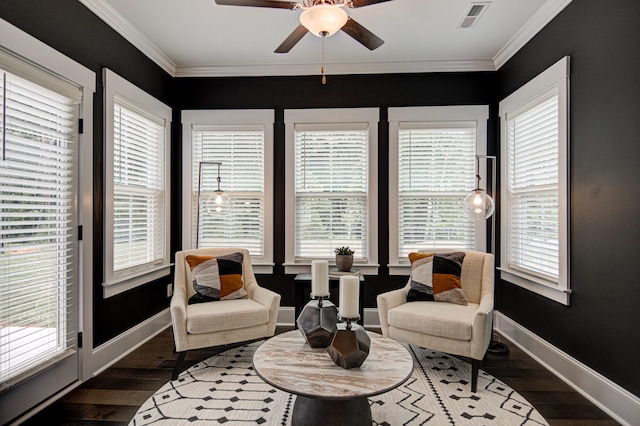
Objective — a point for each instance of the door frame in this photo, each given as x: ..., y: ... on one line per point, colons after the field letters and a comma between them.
x: 46, y: 386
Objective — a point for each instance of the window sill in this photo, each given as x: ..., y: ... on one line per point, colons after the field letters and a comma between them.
x: 305, y: 268
x: 549, y: 291
x: 262, y: 268
x: 127, y: 283
x: 400, y: 269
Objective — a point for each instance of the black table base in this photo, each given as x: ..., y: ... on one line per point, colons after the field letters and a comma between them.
x: 323, y: 412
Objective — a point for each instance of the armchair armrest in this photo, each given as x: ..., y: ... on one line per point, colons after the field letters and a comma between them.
x: 269, y: 299
x: 486, y: 303
x: 386, y: 302
x: 178, y: 309
x: 264, y: 296
x: 482, y: 326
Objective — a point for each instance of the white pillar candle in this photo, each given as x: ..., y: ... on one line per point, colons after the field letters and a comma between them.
x: 320, y: 278
x: 349, y: 296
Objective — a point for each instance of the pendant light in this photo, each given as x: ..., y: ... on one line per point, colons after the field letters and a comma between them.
x: 218, y: 204
x: 478, y: 205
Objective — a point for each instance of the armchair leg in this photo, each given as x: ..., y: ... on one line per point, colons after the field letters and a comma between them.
x: 475, y: 367
x: 178, y: 367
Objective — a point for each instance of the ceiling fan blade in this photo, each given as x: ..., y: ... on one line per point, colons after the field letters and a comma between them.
x: 292, y: 39
x: 274, y: 4
x: 362, y: 3
x: 362, y: 35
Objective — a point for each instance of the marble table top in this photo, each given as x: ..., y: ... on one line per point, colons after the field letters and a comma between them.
x: 288, y: 363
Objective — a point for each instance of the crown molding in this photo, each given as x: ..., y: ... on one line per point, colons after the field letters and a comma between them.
x: 111, y: 17
x: 542, y: 17
x: 261, y: 70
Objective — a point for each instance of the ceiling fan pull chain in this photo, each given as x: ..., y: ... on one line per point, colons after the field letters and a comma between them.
x: 324, y: 77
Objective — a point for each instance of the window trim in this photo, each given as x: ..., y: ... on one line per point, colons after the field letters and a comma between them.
x: 264, y: 117
x: 478, y: 113
x: 114, y: 85
x: 370, y: 116
x: 556, y: 75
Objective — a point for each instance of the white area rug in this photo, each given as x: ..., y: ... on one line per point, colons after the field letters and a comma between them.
x: 224, y: 389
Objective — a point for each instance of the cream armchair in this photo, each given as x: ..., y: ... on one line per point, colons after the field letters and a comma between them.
x: 223, y: 322
x: 446, y: 327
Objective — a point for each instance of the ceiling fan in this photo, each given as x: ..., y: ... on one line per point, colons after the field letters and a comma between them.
x: 319, y: 17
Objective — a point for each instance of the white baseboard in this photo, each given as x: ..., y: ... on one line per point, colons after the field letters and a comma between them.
x: 122, y: 345
x: 286, y: 317
x: 617, y: 402
x: 371, y: 319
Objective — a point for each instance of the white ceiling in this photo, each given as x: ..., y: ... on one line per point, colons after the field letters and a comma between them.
x: 191, y: 38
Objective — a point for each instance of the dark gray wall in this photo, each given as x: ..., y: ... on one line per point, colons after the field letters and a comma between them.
x: 600, y: 327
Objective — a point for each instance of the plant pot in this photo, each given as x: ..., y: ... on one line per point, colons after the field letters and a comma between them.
x: 344, y: 262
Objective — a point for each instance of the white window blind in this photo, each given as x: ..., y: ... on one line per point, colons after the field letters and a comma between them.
x: 331, y: 193
x: 139, y: 188
x: 532, y: 191
x: 241, y: 150
x: 436, y: 170
x: 38, y: 239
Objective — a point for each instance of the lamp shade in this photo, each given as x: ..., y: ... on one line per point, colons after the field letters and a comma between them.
x: 218, y: 204
x: 478, y: 205
x: 323, y: 18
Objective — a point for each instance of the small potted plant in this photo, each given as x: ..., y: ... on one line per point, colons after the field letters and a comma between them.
x: 344, y: 258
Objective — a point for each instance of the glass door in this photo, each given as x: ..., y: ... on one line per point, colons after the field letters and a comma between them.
x: 39, y: 264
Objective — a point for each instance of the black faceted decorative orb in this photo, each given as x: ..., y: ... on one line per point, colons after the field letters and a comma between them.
x: 349, y: 346
x: 317, y: 322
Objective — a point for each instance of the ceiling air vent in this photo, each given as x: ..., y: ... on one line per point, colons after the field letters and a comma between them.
x: 474, y: 13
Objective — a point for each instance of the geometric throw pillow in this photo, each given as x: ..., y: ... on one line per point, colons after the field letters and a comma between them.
x: 216, y: 277
x: 436, y: 277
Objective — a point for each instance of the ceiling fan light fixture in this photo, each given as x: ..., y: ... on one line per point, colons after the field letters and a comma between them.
x: 323, y: 18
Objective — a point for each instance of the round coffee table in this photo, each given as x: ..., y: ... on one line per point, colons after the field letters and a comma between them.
x: 326, y: 393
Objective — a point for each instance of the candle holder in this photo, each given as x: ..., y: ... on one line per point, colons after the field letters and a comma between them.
x: 350, y: 344
x: 317, y: 322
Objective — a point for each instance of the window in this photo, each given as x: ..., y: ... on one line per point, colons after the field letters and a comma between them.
x: 534, y: 147
x: 331, y: 186
x: 242, y: 141
x: 432, y: 167
x: 136, y: 186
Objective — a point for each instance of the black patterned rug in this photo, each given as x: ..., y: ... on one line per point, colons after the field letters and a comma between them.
x: 224, y: 389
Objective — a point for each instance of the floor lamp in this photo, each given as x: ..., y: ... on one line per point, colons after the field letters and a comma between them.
x: 220, y: 204
x: 479, y: 205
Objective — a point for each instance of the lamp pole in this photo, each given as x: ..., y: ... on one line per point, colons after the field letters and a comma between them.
x: 495, y: 347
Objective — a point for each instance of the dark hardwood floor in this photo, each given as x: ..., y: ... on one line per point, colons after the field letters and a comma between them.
x: 113, y: 397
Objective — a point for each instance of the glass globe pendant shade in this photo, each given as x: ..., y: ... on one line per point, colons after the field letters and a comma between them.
x: 218, y: 204
x: 478, y: 205
x: 324, y: 19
